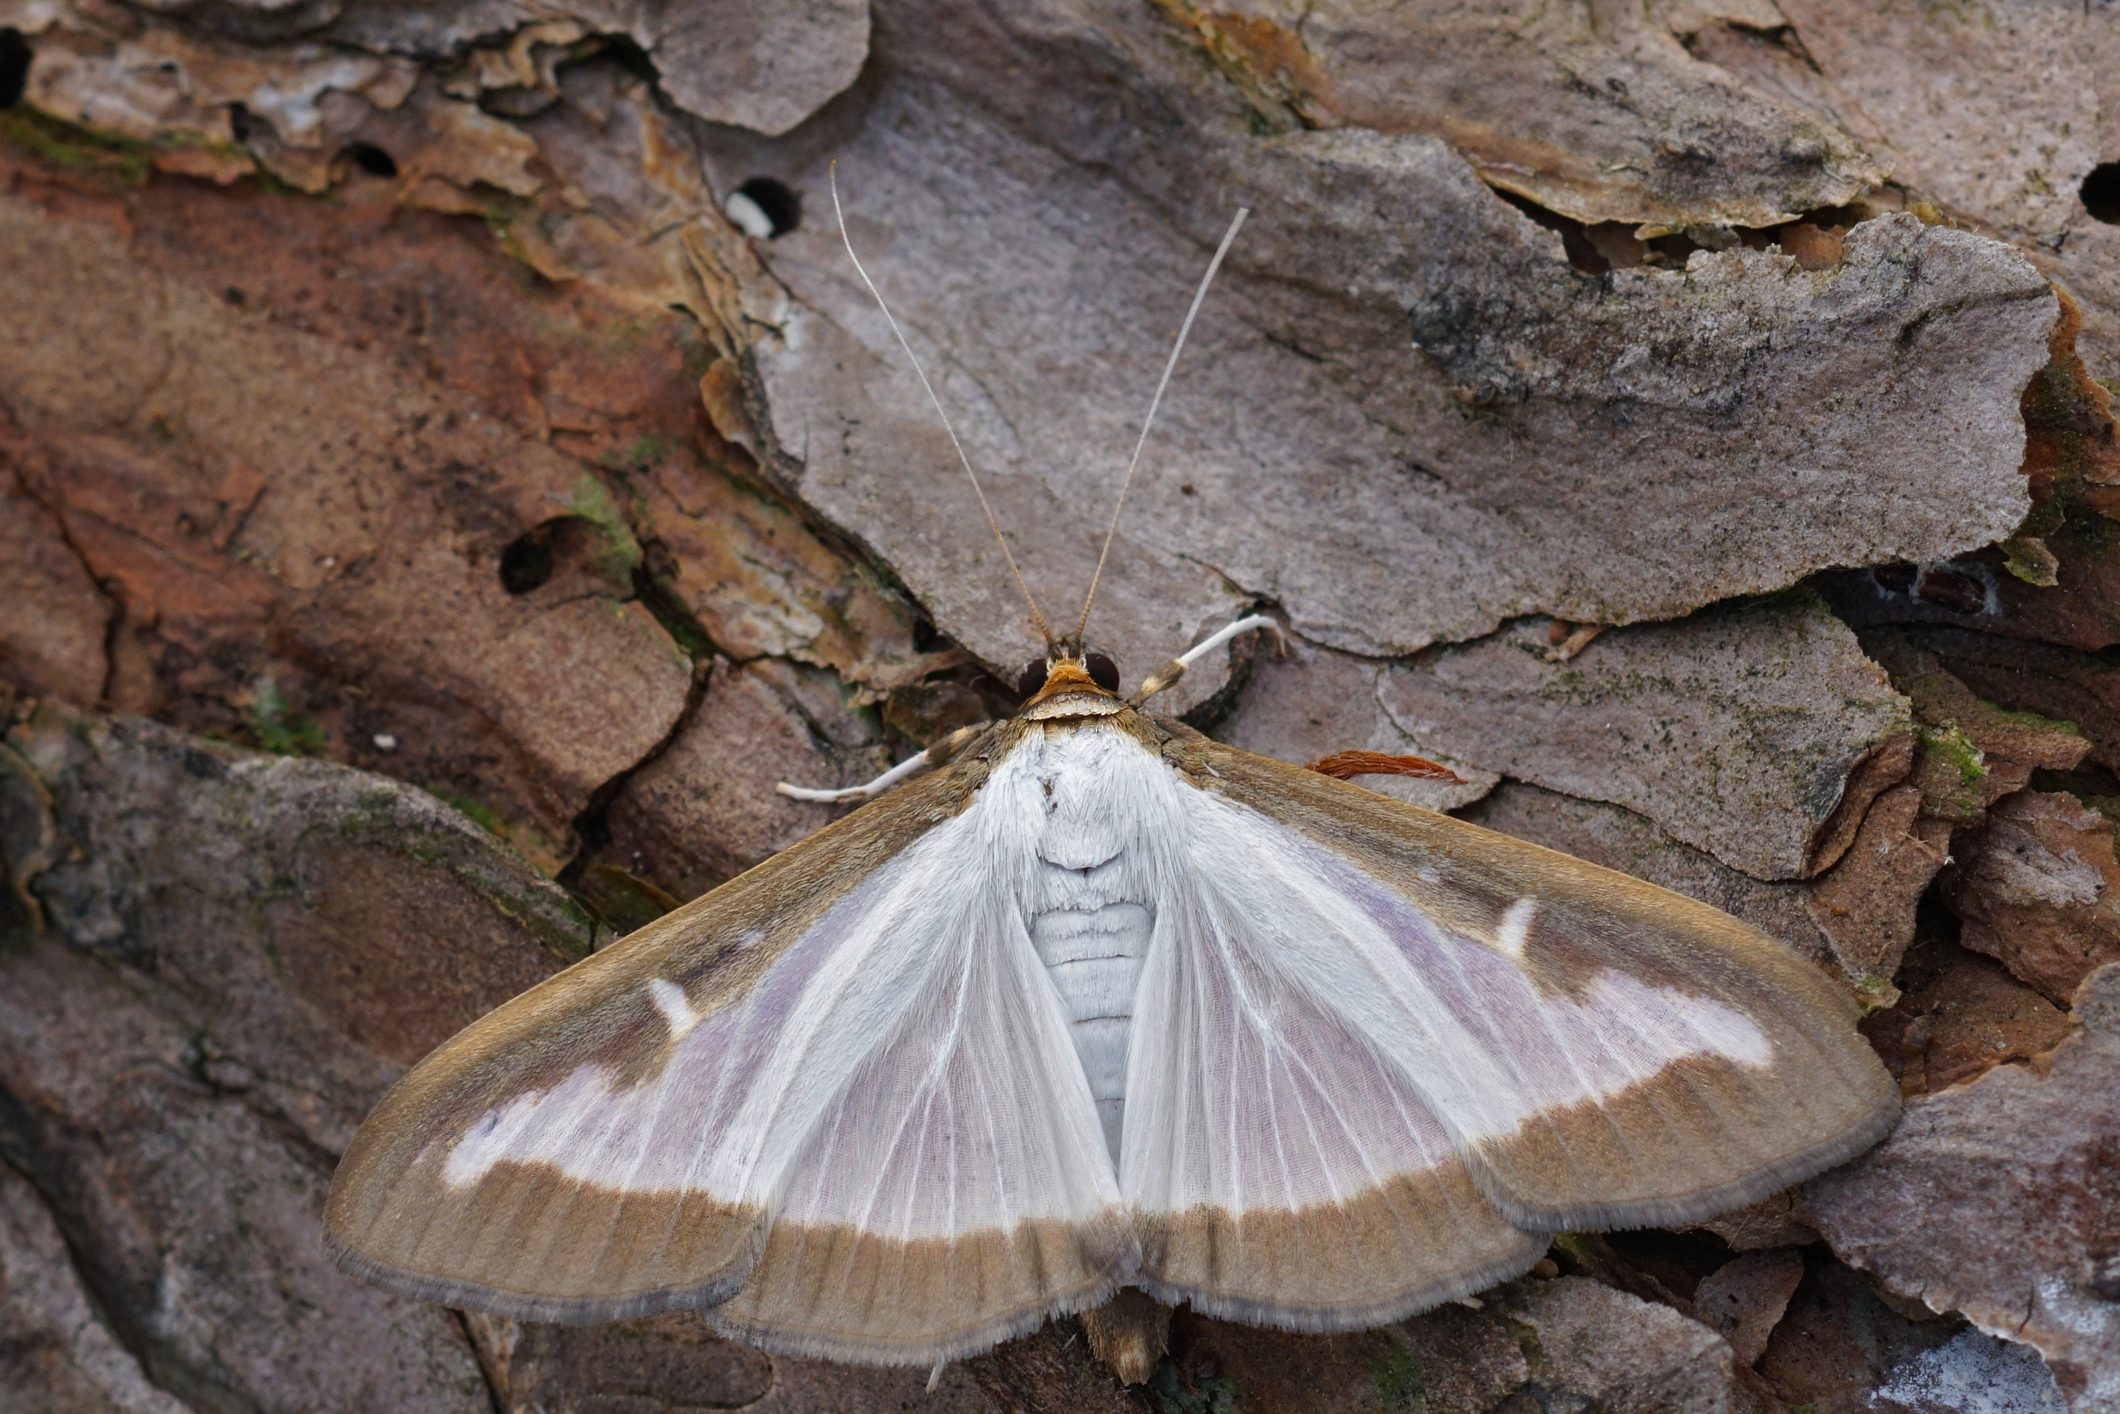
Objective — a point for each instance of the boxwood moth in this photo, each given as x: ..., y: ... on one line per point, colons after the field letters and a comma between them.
x: 1083, y: 1001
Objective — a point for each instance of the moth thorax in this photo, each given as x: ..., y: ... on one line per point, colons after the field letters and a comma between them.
x: 1093, y: 950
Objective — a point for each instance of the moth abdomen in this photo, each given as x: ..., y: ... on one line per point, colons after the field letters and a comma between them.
x: 1094, y: 957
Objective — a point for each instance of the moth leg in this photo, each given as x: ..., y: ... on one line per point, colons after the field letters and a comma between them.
x: 939, y: 754
x: 1164, y: 677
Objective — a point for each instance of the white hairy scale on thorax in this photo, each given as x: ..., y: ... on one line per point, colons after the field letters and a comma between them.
x: 1089, y: 890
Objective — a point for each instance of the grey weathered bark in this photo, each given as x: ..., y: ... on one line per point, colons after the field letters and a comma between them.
x: 1681, y: 420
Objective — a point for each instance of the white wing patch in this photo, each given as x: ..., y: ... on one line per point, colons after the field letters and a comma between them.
x: 676, y: 1007
x: 1515, y: 930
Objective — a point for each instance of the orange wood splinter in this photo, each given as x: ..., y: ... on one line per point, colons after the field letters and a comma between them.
x: 1346, y: 765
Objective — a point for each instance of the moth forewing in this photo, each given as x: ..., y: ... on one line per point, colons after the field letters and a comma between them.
x: 604, y: 1145
x: 1663, y: 1061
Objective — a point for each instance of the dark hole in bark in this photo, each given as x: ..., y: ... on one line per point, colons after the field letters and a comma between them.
x: 628, y: 55
x: 1606, y: 245
x: 1582, y: 252
x: 15, y: 55
x: 777, y: 200
x: 371, y: 159
x: 1678, y: 1260
x: 2101, y: 193
x: 563, y: 545
x: 1959, y: 588
x: 2088, y: 779
x: 1899, y: 579
x: 926, y: 638
x: 526, y: 564
x: 1103, y: 671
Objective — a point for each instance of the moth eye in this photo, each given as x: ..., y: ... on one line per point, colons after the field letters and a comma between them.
x: 1103, y: 671
x: 1031, y: 678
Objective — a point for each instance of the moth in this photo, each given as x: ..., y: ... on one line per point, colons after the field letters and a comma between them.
x: 1081, y: 1002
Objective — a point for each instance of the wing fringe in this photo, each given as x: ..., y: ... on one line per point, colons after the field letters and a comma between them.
x: 523, y: 1306
x: 1320, y: 1320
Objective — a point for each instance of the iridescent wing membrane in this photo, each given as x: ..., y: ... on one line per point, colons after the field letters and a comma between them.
x: 1375, y: 1053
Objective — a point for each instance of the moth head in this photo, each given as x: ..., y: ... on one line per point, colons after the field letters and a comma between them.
x: 1069, y: 679
x: 1101, y: 667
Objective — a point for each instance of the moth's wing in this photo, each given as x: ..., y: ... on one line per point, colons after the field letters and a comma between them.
x: 1607, y: 1053
x: 1594, y: 1051
x: 1283, y: 1167
x: 957, y: 1190
x: 812, y: 1090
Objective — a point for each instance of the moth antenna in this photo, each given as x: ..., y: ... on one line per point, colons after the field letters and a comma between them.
x: 1229, y: 238
x: 978, y: 490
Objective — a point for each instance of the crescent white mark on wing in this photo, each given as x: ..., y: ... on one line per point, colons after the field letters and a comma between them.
x: 1516, y: 927
x: 676, y: 1007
